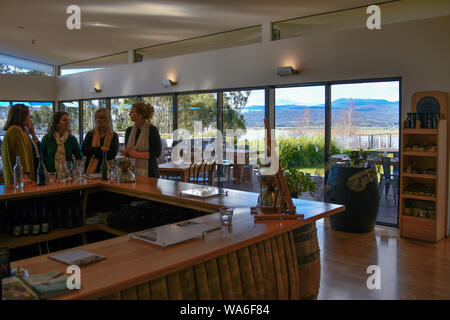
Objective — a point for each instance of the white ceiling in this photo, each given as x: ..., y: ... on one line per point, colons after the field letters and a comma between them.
x: 114, y: 26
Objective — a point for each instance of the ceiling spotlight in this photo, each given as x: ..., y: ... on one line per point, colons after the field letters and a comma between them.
x: 286, y: 71
x: 168, y: 83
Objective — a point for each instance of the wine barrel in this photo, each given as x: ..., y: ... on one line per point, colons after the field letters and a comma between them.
x: 308, y: 257
x: 361, y: 208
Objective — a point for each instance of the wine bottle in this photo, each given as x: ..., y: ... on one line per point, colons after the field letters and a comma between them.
x: 41, y: 174
x: 78, y: 210
x: 14, y: 221
x: 429, y: 121
x: 18, y: 174
x: 26, y: 221
x: 50, y: 212
x: 59, y: 214
x: 104, y: 168
x: 69, y: 214
x: 45, y: 221
x: 36, y: 221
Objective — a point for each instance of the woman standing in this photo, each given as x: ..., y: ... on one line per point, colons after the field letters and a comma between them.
x: 99, y: 140
x: 59, y: 145
x: 17, y: 143
x: 142, y: 141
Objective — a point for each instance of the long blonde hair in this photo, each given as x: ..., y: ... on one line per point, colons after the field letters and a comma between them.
x: 109, y: 125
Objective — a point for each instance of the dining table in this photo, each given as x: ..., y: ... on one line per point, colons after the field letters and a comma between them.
x: 172, y: 169
x: 376, y: 160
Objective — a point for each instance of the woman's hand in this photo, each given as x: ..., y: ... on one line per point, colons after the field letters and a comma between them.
x: 125, y: 152
x: 133, y: 154
x: 104, y: 149
x: 29, y: 125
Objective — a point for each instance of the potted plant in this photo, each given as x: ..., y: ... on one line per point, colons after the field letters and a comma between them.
x: 299, y: 182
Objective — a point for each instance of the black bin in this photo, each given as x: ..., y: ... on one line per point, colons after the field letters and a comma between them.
x: 361, y: 207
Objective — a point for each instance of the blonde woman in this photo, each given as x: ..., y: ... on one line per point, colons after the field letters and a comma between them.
x: 17, y: 143
x: 142, y: 141
x: 59, y: 145
x: 101, y: 139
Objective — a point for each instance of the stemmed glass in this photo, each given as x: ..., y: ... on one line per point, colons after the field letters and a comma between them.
x: 68, y: 173
x: 79, y: 171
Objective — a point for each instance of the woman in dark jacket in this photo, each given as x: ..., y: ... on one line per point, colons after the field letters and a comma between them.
x: 59, y: 145
x: 99, y: 140
x: 142, y: 141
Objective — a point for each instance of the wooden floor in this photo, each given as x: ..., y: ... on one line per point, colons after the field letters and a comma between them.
x: 409, y: 269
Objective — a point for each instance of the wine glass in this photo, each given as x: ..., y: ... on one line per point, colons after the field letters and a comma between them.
x: 79, y: 171
x: 61, y: 171
x: 69, y: 169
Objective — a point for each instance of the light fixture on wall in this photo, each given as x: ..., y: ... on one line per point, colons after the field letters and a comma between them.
x: 286, y: 71
x: 166, y: 83
x: 95, y: 89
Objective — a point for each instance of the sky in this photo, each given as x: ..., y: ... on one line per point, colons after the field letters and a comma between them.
x: 315, y: 95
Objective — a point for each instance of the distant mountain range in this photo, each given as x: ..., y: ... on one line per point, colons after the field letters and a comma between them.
x: 357, y: 112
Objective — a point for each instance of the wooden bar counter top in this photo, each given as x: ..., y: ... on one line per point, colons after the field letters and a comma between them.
x: 249, y: 260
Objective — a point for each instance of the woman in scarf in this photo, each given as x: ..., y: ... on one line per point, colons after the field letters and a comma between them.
x: 142, y: 141
x: 17, y: 143
x: 99, y: 140
x: 59, y: 145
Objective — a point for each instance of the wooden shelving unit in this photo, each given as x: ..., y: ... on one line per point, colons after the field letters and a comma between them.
x: 6, y: 240
x: 431, y: 228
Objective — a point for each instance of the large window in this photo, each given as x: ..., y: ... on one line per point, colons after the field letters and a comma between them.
x: 366, y: 116
x: 73, y: 109
x: 120, y: 110
x: 300, y: 131
x: 163, y: 116
x: 201, y: 108
x: 41, y: 114
x: 244, y: 112
x: 89, y: 109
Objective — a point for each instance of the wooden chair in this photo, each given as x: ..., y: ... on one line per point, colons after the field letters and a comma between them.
x: 194, y: 171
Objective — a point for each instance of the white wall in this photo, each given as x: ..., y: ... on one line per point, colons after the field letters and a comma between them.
x: 418, y: 51
x: 27, y: 87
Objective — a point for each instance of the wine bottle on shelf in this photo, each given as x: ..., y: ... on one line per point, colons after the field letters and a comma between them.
x: 104, y: 168
x: 45, y: 220
x: 50, y: 212
x: 429, y: 121
x: 36, y: 219
x: 18, y: 174
x: 59, y: 217
x: 69, y: 213
x: 15, y: 223
x: 78, y: 210
x: 41, y: 174
x: 26, y: 220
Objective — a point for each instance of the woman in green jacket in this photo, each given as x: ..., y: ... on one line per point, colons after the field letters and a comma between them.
x: 59, y: 145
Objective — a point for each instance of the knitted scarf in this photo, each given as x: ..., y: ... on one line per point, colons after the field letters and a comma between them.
x: 60, y: 151
x: 141, y: 145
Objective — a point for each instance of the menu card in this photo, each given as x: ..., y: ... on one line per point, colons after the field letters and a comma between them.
x: 76, y: 257
x: 173, y: 233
